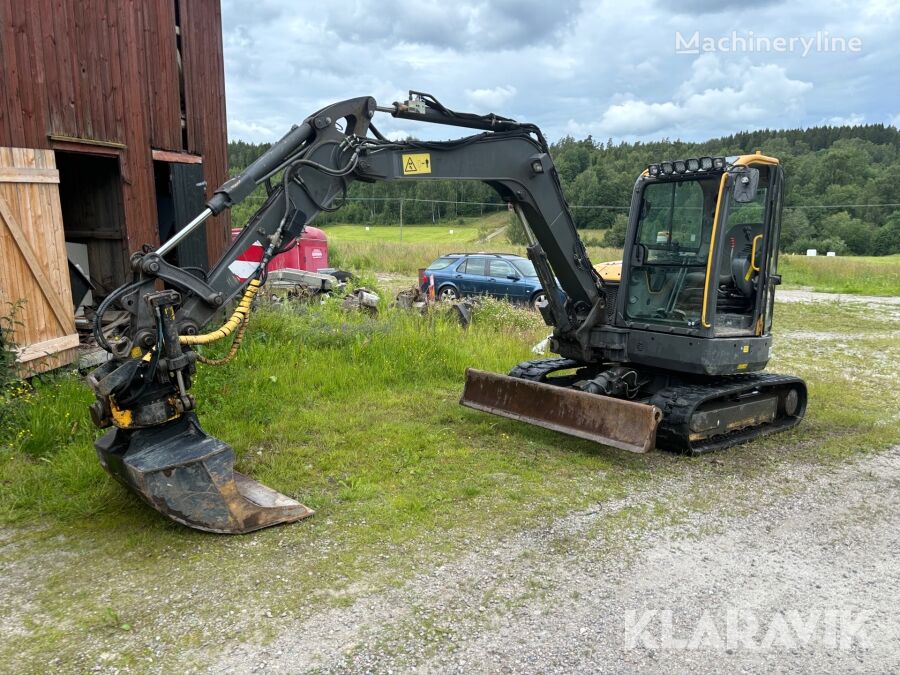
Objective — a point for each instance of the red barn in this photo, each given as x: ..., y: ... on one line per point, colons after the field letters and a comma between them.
x: 112, y: 135
x: 130, y: 97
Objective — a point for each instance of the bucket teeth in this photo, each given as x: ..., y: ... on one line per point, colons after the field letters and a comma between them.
x: 622, y: 424
x: 188, y: 475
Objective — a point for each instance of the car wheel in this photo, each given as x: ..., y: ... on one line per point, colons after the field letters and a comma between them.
x: 448, y: 294
x: 538, y: 300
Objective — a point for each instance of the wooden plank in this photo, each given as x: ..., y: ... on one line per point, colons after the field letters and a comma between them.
x: 115, y: 93
x: 63, y: 315
x: 76, y: 20
x: 29, y: 30
x: 46, y: 348
x: 103, y: 59
x: 162, y: 69
x: 177, y: 157
x: 47, y: 362
x: 28, y: 175
x: 205, y: 101
x: 40, y: 18
x: 64, y: 53
x: 11, y: 69
x: 137, y: 164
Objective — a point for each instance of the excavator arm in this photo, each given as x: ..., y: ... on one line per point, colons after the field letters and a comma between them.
x: 157, y: 447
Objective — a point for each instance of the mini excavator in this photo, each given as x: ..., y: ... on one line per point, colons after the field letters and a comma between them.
x: 664, y: 348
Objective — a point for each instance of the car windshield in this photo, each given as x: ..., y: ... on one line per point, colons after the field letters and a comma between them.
x: 441, y: 263
x: 526, y: 269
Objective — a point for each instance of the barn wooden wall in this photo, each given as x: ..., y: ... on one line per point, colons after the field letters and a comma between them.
x: 106, y: 70
x: 33, y: 263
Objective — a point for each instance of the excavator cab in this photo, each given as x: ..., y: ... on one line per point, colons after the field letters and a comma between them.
x: 701, y: 248
x: 672, y: 359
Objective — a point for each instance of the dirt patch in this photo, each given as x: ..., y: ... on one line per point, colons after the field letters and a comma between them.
x: 568, y: 598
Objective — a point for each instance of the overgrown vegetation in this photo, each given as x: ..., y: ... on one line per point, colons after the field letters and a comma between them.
x: 8, y: 323
x: 859, y: 275
x: 408, y: 258
x: 358, y: 417
x: 841, y: 192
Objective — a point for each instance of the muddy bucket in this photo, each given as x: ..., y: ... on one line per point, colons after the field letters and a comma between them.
x: 188, y: 475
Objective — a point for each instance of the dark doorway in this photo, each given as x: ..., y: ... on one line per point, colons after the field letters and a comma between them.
x: 180, y: 196
x: 90, y: 194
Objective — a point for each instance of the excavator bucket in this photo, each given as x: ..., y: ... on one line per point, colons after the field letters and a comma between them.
x: 622, y: 424
x: 187, y: 475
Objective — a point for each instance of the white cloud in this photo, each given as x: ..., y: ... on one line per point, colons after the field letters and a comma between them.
x: 242, y: 129
x: 853, y: 119
x: 738, y: 94
x: 603, y: 67
x: 895, y: 121
x: 496, y: 98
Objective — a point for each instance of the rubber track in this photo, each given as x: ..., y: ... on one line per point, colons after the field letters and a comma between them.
x: 679, y: 402
x: 538, y: 369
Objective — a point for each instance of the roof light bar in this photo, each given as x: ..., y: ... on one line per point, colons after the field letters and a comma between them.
x: 692, y: 165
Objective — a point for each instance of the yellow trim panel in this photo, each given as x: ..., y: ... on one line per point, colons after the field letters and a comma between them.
x: 712, y: 250
x: 609, y: 271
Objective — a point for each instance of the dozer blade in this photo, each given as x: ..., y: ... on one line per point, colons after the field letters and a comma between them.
x: 611, y: 421
x: 189, y: 476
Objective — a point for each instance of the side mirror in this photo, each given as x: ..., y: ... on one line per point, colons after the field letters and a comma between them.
x: 513, y: 277
x: 746, y: 182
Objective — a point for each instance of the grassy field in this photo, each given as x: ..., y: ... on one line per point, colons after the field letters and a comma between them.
x: 380, y: 250
x: 857, y: 274
x: 411, y: 234
x: 358, y: 418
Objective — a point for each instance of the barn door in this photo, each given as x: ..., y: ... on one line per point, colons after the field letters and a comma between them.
x: 34, y: 272
x: 189, y: 197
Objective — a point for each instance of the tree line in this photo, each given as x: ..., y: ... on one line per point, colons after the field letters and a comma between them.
x: 842, y: 190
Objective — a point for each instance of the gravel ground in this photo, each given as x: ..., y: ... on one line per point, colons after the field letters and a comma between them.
x: 815, y: 296
x: 811, y: 559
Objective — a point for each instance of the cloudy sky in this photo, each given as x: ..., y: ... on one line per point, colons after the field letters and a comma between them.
x: 599, y: 67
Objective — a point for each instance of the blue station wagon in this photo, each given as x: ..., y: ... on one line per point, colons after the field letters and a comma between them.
x: 500, y: 275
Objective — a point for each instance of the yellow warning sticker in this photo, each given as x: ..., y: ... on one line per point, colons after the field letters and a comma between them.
x: 416, y: 163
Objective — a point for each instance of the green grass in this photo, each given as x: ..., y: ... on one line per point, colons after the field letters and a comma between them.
x: 380, y: 250
x: 842, y: 274
x: 411, y: 234
x: 357, y: 417
x: 394, y: 257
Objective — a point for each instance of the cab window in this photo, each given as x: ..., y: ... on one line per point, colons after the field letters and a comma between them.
x: 668, y: 273
x: 673, y: 215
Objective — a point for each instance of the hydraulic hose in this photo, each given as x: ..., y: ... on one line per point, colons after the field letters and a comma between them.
x: 241, y: 313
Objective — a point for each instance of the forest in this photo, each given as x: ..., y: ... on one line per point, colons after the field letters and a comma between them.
x: 842, y: 186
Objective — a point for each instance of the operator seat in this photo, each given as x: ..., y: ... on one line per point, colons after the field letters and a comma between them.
x: 736, y: 287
